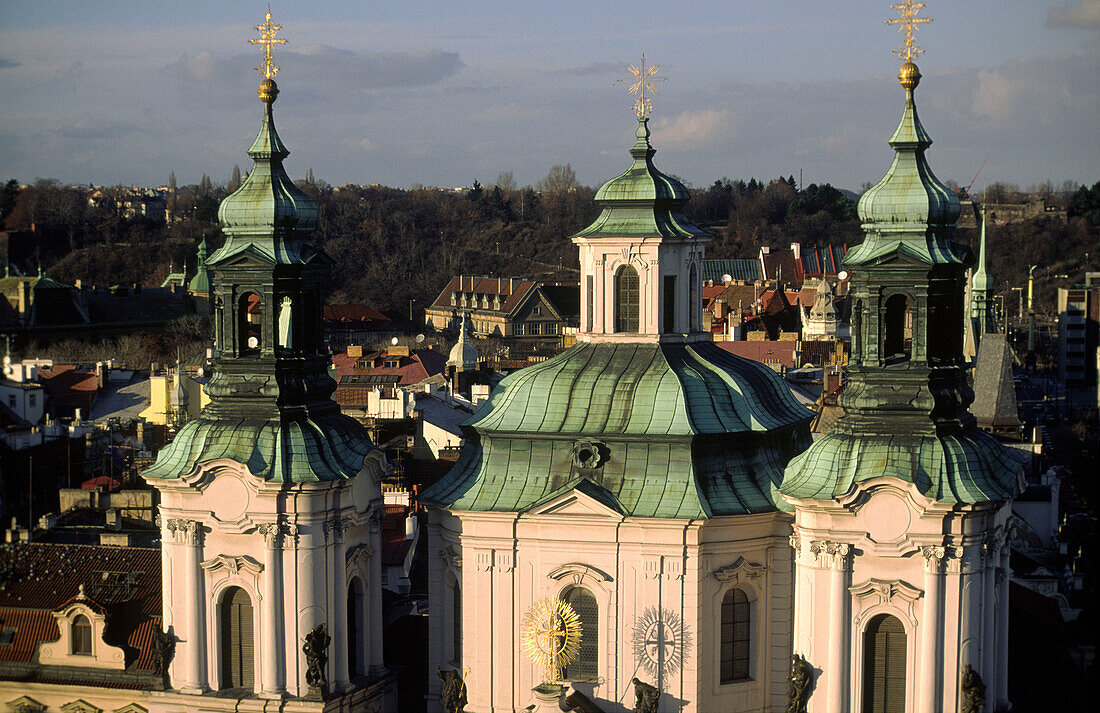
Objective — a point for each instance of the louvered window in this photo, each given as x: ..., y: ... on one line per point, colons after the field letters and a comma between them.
x: 884, y: 666
x: 693, y: 299
x: 587, y: 664
x: 237, y: 639
x: 82, y: 635
x: 670, y: 304
x: 355, y: 628
x: 590, y: 296
x: 736, y: 627
x: 626, y: 299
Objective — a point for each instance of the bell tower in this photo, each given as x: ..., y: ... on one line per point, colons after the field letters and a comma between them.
x: 902, y: 510
x: 270, y: 499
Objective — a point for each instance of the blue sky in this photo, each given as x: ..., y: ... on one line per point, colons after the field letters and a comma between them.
x: 444, y: 93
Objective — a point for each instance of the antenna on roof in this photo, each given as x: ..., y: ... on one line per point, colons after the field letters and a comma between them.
x: 419, y: 338
x: 394, y: 341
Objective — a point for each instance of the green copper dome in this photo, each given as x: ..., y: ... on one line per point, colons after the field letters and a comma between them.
x: 909, y: 206
x: 201, y: 281
x: 642, y: 201
x: 677, y: 430
x: 268, y: 211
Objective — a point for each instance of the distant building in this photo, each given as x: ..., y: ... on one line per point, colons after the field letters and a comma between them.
x: 381, y: 384
x: 506, y: 307
x: 1079, y: 332
x: 355, y: 324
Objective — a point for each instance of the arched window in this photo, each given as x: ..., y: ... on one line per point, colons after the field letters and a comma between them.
x: 236, y: 639
x: 456, y: 623
x: 587, y: 664
x: 250, y: 319
x: 355, y: 628
x: 736, y: 625
x: 82, y: 635
x: 626, y: 299
x: 884, y: 665
x: 693, y: 300
x: 898, y: 343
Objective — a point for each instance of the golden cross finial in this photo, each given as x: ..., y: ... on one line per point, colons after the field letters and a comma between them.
x: 267, y: 39
x: 643, y: 87
x: 907, y: 12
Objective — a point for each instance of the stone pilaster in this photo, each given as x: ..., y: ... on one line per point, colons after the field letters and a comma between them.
x: 335, y: 529
x: 930, y: 665
x: 836, y: 556
x: 188, y: 536
x: 271, y: 620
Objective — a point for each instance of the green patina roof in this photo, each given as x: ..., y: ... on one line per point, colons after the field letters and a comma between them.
x: 642, y: 201
x: 691, y: 431
x: 201, y: 281
x: 268, y: 211
x: 968, y: 467
x: 325, y: 447
x: 909, y: 208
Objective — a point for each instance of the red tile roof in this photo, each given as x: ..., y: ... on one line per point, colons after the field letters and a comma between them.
x: 354, y: 313
x: 418, y: 365
x: 512, y: 289
x: 766, y: 352
x: 69, y: 387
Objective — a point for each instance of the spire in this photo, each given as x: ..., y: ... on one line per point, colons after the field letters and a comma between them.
x: 201, y: 281
x: 981, y: 277
x: 463, y: 356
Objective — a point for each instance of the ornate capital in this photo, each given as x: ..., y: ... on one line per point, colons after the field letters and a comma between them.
x: 335, y: 528
x: 991, y: 545
x: 187, y: 532
x: 270, y: 532
x: 834, y: 555
x: 796, y: 542
x: 933, y: 556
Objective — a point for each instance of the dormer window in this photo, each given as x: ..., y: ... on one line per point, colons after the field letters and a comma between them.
x: 393, y: 363
x: 81, y: 636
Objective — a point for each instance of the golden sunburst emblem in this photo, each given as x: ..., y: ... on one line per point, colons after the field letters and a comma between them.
x: 551, y: 633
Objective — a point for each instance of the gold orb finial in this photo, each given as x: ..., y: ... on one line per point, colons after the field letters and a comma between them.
x: 268, y: 91
x: 909, y: 76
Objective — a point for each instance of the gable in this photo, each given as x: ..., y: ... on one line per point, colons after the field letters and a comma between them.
x: 577, y: 503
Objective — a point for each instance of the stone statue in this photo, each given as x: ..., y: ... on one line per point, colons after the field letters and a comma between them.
x: 645, y: 697
x: 286, y: 333
x: 973, y: 691
x: 315, y: 646
x: 453, y: 695
x: 164, y: 647
x: 798, y: 687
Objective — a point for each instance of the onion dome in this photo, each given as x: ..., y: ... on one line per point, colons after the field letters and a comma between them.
x: 909, y: 204
x: 268, y: 210
x: 463, y: 356
x: 642, y: 200
x: 679, y: 430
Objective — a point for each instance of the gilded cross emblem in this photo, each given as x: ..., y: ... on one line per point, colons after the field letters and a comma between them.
x: 267, y: 38
x: 642, y: 86
x: 907, y: 18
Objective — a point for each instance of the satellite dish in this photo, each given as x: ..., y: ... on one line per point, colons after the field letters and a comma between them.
x: 842, y: 275
x: 419, y: 338
x: 394, y: 341
x: 727, y: 277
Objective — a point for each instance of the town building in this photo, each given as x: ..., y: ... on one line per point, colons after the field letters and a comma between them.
x: 661, y: 453
x: 1079, y: 334
x: 902, y: 509
x: 505, y: 307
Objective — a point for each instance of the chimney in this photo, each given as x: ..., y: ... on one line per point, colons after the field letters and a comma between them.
x: 79, y: 284
x: 355, y: 351
x: 24, y: 298
x: 101, y: 374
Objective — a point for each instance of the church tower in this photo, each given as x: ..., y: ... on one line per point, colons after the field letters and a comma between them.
x: 981, y: 319
x: 634, y: 478
x: 270, y: 500
x: 901, y: 510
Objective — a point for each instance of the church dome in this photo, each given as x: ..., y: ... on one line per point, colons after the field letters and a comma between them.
x: 909, y: 194
x: 671, y: 430
x: 268, y: 199
x: 642, y: 200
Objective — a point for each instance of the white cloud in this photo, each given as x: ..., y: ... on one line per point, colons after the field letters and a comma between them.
x: 694, y: 128
x: 1086, y: 14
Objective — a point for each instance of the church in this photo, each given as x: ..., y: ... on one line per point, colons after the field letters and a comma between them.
x: 642, y: 523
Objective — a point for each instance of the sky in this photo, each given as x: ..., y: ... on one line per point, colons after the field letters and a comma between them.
x: 445, y: 93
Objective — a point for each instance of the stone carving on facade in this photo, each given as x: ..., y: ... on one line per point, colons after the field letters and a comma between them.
x: 453, y: 695
x: 933, y: 556
x: 973, y: 691
x: 661, y: 641
x: 873, y: 592
x: 991, y: 546
x: 80, y: 706
x: 164, y: 648
x: 831, y: 554
x: 188, y: 532
x: 451, y: 557
x: 578, y: 573
x: 588, y: 455
x: 740, y: 571
x: 358, y: 555
x: 661, y: 567
x: 796, y: 542
x: 798, y: 684
x: 270, y: 532
x: 646, y: 697
x: 315, y: 647
x: 25, y: 704
x: 234, y: 564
